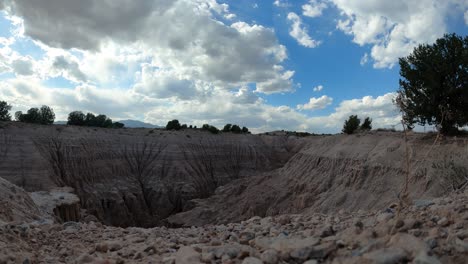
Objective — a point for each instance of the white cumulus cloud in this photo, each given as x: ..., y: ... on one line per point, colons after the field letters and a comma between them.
x: 318, y: 88
x: 394, y: 28
x: 314, y: 8
x: 316, y: 103
x: 182, y: 36
x: 299, y: 32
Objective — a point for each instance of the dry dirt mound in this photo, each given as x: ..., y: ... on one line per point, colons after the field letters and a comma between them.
x: 431, y: 231
x: 15, y: 204
x: 332, y: 173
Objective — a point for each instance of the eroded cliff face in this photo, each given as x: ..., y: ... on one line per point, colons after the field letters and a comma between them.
x: 365, y: 171
x: 135, y: 177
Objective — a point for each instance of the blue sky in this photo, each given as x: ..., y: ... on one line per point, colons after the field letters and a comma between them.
x: 296, y: 65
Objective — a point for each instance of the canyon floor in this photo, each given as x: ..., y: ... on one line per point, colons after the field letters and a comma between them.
x: 270, y: 198
x: 428, y: 231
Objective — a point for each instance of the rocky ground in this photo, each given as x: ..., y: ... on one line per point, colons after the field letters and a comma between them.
x: 429, y: 231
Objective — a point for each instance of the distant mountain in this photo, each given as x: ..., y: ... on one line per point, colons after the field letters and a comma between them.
x: 127, y: 123
x: 136, y: 123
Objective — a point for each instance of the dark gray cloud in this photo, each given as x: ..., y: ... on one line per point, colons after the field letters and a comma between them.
x: 69, y: 68
x: 84, y: 23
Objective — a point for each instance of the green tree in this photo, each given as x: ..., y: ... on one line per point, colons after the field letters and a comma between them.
x: 351, y: 125
x: 173, y: 125
x: 434, y: 84
x: 32, y: 116
x: 104, y: 121
x: 245, y: 130
x: 76, y: 118
x: 5, y: 111
x: 90, y: 120
x: 46, y: 115
x: 236, y: 129
x: 367, y: 124
x: 19, y: 116
x: 227, y: 128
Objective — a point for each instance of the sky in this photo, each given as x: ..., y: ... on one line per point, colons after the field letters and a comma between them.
x: 269, y: 65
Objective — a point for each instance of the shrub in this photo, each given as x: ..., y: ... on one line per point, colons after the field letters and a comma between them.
x: 351, y: 125
x: 119, y: 125
x: 245, y: 130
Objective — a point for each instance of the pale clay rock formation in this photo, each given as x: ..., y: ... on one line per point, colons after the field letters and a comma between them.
x: 278, y: 199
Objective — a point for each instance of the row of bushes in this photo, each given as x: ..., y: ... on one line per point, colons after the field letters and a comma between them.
x: 175, y: 125
x: 235, y: 129
x: 78, y: 118
x: 44, y: 115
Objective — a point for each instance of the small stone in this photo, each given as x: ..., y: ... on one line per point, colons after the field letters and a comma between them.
x: 114, y: 246
x: 386, y: 256
x: 216, y: 242
x: 169, y: 260
x: 415, y: 232
x: 359, y: 225
x: 399, y: 223
x: 245, y: 237
x: 423, y: 258
x: 269, y: 256
x: 327, y: 231
x: 312, y: 261
x: 462, y: 234
x: 443, y: 222
x: 408, y: 243
x: 431, y: 243
x: 231, y: 252
x: 207, y: 257
x: 187, y: 255
x: 84, y: 258
x: 284, y: 219
x: 102, y: 247
x: 384, y: 217
x: 422, y: 203
x: 462, y: 246
x: 252, y: 260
